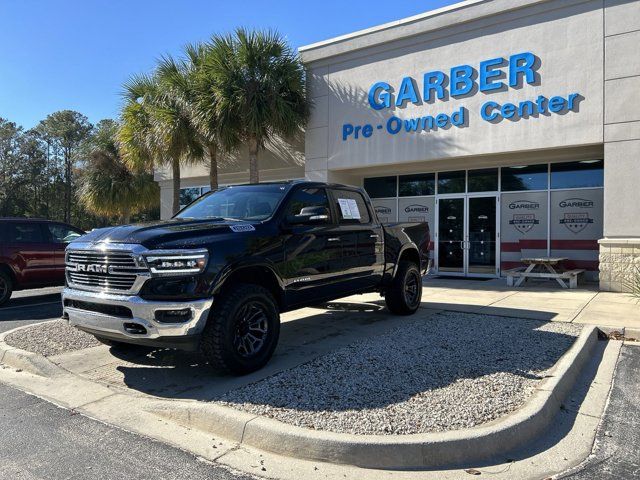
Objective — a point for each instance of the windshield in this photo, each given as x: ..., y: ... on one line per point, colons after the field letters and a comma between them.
x: 245, y: 202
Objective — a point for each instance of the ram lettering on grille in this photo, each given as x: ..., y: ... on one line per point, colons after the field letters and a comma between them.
x: 104, y: 271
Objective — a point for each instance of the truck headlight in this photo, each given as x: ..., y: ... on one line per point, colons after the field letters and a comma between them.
x: 177, y: 262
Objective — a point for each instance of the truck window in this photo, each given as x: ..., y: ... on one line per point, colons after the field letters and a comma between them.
x: 351, y: 207
x: 61, y: 233
x: 18, y: 232
x: 307, y: 197
x: 244, y: 202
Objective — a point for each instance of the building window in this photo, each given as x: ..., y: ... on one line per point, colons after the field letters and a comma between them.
x: 381, y: 187
x: 582, y: 174
x: 526, y: 177
x: 484, y: 180
x: 417, y: 185
x: 451, y: 182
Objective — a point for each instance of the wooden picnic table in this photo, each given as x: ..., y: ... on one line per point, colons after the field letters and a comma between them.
x: 548, y: 266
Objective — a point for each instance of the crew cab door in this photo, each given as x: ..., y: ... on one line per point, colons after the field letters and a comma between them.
x: 362, y: 240
x: 30, y: 254
x: 312, y: 258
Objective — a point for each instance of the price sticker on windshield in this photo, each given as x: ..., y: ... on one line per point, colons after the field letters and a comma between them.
x: 242, y: 228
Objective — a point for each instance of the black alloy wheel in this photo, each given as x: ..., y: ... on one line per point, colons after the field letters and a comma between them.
x: 411, y: 286
x: 252, y: 328
x: 404, y: 295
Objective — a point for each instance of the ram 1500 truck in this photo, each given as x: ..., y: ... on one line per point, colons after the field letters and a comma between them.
x: 216, y: 276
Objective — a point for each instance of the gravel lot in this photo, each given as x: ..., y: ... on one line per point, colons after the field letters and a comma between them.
x: 51, y: 338
x: 448, y: 372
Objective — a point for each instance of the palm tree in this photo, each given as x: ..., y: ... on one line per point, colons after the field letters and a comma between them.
x: 258, y: 83
x: 191, y: 87
x: 157, y: 125
x: 108, y: 187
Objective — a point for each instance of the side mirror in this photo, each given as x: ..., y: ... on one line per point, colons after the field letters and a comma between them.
x: 310, y: 215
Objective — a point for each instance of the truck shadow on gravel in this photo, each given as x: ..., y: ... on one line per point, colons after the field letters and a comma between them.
x: 355, y: 357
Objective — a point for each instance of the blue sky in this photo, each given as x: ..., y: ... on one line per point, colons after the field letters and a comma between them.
x: 75, y: 54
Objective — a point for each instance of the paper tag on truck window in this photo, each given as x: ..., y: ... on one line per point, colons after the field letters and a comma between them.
x: 242, y: 228
x: 349, y: 209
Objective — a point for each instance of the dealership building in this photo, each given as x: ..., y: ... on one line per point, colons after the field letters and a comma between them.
x: 511, y: 126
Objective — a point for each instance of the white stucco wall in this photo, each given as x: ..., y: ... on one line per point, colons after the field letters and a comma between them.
x: 622, y: 119
x: 566, y: 36
x: 585, y: 47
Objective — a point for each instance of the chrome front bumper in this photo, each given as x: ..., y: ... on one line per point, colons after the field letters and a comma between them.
x: 143, y: 313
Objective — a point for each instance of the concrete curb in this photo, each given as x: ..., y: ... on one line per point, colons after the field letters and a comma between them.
x: 628, y: 334
x: 396, y: 452
x: 28, y: 361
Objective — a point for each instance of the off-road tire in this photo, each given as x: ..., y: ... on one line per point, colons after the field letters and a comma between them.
x: 6, y: 287
x: 217, y: 342
x: 400, y: 297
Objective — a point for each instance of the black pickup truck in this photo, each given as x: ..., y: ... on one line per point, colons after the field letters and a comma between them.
x: 216, y: 277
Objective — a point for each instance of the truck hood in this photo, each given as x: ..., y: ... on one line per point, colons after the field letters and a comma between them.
x: 174, y: 233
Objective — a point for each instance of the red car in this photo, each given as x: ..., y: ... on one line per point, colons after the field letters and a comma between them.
x: 32, y: 253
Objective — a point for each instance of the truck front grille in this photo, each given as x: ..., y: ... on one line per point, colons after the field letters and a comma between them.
x: 104, y: 271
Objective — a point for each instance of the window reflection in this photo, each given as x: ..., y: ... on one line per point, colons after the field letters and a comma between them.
x: 525, y: 177
x: 381, y: 187
x: 582, y: 174
x: 417, y: 185
x: 451, y: 182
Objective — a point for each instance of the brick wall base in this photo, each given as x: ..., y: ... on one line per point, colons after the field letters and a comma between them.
x: 619, y: 264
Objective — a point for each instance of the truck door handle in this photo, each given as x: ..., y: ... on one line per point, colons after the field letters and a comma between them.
x: 375, y: 235
x: 333, y: 239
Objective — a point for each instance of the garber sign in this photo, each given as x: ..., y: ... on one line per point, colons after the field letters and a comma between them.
x: 492, y: 75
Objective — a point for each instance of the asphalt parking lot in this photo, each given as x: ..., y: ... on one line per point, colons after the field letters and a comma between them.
x: 30, y: 306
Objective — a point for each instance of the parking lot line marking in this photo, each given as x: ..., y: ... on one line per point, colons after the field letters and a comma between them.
x: 28, y: 306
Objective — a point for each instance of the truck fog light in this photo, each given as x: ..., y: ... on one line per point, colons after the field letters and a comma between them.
x: 173, y: 316
x: 134, y: 328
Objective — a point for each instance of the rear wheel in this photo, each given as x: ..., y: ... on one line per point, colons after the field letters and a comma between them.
x: 405, y: 293
x: 6, y: 287
x: 242, y: 331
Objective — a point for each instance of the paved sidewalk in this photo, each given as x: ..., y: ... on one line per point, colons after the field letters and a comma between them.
x: 542, y: 301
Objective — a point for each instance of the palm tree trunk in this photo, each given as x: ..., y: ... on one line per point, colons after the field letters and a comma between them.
x: 125, y: 218
x: 213, y: 167
x: 67, y: 189
x: 253, y: 161
x: 176, y: 186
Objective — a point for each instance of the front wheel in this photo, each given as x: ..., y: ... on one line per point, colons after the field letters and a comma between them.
x: 242, y: 331
x: 405, y: 293
x: 6, y: 287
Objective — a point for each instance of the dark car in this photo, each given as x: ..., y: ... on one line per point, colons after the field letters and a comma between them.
x: 32, y: 253
x: 217, y: 276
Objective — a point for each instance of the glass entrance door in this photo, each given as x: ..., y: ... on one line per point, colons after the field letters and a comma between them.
x: 481, y: 236
x: 451, y: 235
x: 467, y: 235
